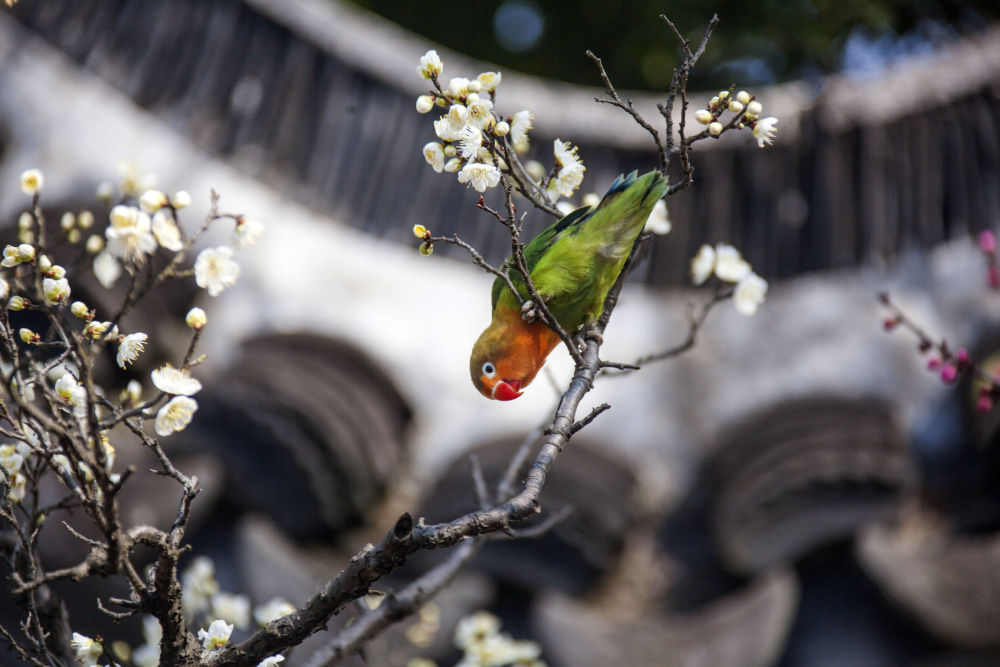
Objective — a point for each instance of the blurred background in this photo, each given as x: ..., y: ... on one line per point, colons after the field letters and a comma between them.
x: 796, y: 490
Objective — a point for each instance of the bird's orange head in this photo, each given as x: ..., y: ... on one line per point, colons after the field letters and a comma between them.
x: 507, y: 356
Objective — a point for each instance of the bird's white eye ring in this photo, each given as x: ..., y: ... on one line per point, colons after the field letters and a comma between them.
x: 489, y: 370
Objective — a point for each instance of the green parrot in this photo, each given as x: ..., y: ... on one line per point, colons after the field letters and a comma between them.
x: 573, y: 264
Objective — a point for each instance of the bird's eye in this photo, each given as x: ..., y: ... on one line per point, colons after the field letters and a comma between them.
x: 489, y: 370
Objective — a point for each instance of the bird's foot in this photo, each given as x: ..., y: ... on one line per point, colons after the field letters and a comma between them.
x: 529, y: 313
x: 591, y: 332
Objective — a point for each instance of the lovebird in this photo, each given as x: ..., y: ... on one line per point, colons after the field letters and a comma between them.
x: 573, y: 264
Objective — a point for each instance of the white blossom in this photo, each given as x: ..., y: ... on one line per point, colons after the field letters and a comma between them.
x: 165, y: 230
x: 270, y: 662
x: 729, y: 264
x: 749, y: 294
x: 480, y: 113
x: 470, y: 140
x: 32, y: 181
x: 215, y: 270
x: 232, y: 608
x: 133, y: 391
x: 130, y: 347
x: 570, y: 174
x: 246, y: 232
x: 434, y: 154
x: 659, y: 220
x: 519, y: 128
x: 702, y: 264
x: 217, y: 634
x: 177, y: 381
x: 198, y: 585
x: 430, y: 65
x: 475, y: 628
x: 71, y: 392
x: 152, y: 631
x: 480, y: 176
x: 107, y: 270
x: 56, y: 291
x: 272, y: 610
x: 488, y: 81
x: 764, y: 130
x: 146, y: 655
x: 175, y: 415
x: 86, y: 649
x: 130, y: 236
x: 18, y: 487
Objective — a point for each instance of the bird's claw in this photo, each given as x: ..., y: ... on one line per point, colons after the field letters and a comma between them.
x: 528, y: 311
x: 591, y: 332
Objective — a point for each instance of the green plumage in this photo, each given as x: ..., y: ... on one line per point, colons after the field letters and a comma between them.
x: 576, y: 260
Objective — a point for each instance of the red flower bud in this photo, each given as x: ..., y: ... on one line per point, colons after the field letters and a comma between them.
x: 987, y: 241
x: 949, y: 373
x: 933, y: 364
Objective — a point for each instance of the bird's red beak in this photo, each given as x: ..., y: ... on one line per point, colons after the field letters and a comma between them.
x: 507, y: 391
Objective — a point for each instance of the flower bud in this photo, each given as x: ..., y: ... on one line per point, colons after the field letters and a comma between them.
x: 17, y: 303
x: 181, y: 199
x: 56, y: 272
x: 453, y: 165
x: 25, y: 220
x: 715, y: 128
x: 426, y: 248
x: 988, y: 241
x: 4, y: 289
x: 80, y: 310
x: 95, y: 244
x: 26, y: 236
x: 26, y: 252
x: 754, y: 108
x: 105, y: 191
x: 44, y: 263
x: 735, y: 107
x: 501, y: 129
x: 450, y: 150
x: 31, y: 182
x: 743, y: 97
x: 85, y: 220
x: 152, y: 201
x: 421, y: 232
x: 475, y: 86
x: 430, y: 65
x: 73, y: 235
x: 196, y: 318
x: 723, y: 94
x: 424, y: 104
x: 703, y: 116
x: 67, y: 221
x: 713, y: 103
x: 28, y: 336
x: 949, y: 373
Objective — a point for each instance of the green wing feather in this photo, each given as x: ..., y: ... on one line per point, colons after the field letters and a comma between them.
x: 576, y: 260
